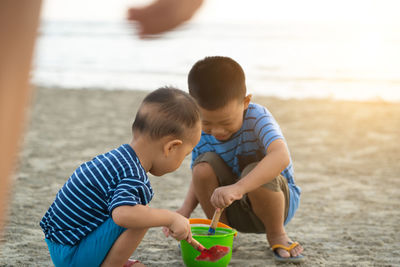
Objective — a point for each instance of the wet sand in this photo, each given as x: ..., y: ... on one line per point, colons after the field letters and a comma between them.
x: 346, y: 157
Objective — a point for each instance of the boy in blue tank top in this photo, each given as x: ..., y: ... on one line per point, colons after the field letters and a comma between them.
x: 242, y: 162
x: 100, y: 215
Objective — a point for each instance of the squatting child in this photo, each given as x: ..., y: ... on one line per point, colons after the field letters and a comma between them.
x: 101, y: 214
x: 242, y: 162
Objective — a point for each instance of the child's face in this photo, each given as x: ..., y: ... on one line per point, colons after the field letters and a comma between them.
x: 222, y: 123
x: 171, y: 160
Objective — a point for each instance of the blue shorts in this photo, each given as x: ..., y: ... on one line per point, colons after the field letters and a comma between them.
x: 90, y: 251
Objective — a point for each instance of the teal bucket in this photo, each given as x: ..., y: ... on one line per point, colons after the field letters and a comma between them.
x: 223, y: 236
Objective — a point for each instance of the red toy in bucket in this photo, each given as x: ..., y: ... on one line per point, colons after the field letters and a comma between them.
x: 212, y: 254
x: 217, y: 248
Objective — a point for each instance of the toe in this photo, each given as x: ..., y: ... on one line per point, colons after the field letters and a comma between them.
x: 296, y: 251
x: 283, y: 253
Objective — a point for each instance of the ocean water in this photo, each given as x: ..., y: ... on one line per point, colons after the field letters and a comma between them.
x: 288, y: 60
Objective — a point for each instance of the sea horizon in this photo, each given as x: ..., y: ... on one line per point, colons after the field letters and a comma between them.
x: 285, y: 60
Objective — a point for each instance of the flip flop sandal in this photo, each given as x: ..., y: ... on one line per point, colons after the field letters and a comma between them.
x: 299, y: 258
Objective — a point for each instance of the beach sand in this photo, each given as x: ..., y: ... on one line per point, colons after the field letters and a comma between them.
x: 346, y: 157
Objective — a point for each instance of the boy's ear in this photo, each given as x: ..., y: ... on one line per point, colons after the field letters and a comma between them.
x: 171, y: 145
x: 246, y: 101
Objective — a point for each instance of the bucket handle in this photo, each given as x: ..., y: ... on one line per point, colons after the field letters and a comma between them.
x: 208, y: 222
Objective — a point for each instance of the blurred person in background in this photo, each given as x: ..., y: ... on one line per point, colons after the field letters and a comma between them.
x: 19, y: 22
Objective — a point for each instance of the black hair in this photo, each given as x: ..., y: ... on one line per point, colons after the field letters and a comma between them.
x: 215, y: 81
x: 166, y: 111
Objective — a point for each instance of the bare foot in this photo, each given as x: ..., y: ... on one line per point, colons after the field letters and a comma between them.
x: 283, y: 239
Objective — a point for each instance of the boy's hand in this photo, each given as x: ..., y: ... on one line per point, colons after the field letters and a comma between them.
x: 179, y: 228
x: 224, y: 196
x: 182, y: 211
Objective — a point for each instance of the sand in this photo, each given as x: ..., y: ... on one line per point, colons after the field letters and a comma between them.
x: 346, y: 157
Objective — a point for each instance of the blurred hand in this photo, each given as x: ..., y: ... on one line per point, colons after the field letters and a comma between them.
x: 224, y: 196
x: 163, y: 15
x: 179, y: 228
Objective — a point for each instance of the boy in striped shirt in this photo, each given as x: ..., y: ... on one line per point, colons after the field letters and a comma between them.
x: 242, y: 162
x: 101, y: 213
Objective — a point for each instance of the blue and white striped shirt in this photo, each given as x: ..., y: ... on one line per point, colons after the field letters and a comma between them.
x: 249, y: 144
x: 88, y: 198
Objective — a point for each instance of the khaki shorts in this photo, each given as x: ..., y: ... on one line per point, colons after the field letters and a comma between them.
x: 240, y: 213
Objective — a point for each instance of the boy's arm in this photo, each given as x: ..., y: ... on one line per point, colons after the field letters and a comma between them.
x: 140, y: 216
x: 190, y: 202
x: 276, y: 160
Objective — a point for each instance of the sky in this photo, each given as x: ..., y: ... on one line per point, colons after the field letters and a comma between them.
x: 356, y: 11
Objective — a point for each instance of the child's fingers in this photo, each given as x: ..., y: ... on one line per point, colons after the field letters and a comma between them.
x: 222, y: 197
x: 229, y: 200
x: 217, y: 201
x: 180, y: 236
x: 189, y: 237
x: 177, y: 235
x: 165, y: 231
x: 174, y: 235
x: 223, y: 201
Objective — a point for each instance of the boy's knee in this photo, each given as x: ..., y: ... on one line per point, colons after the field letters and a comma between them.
x: 202, y: 171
